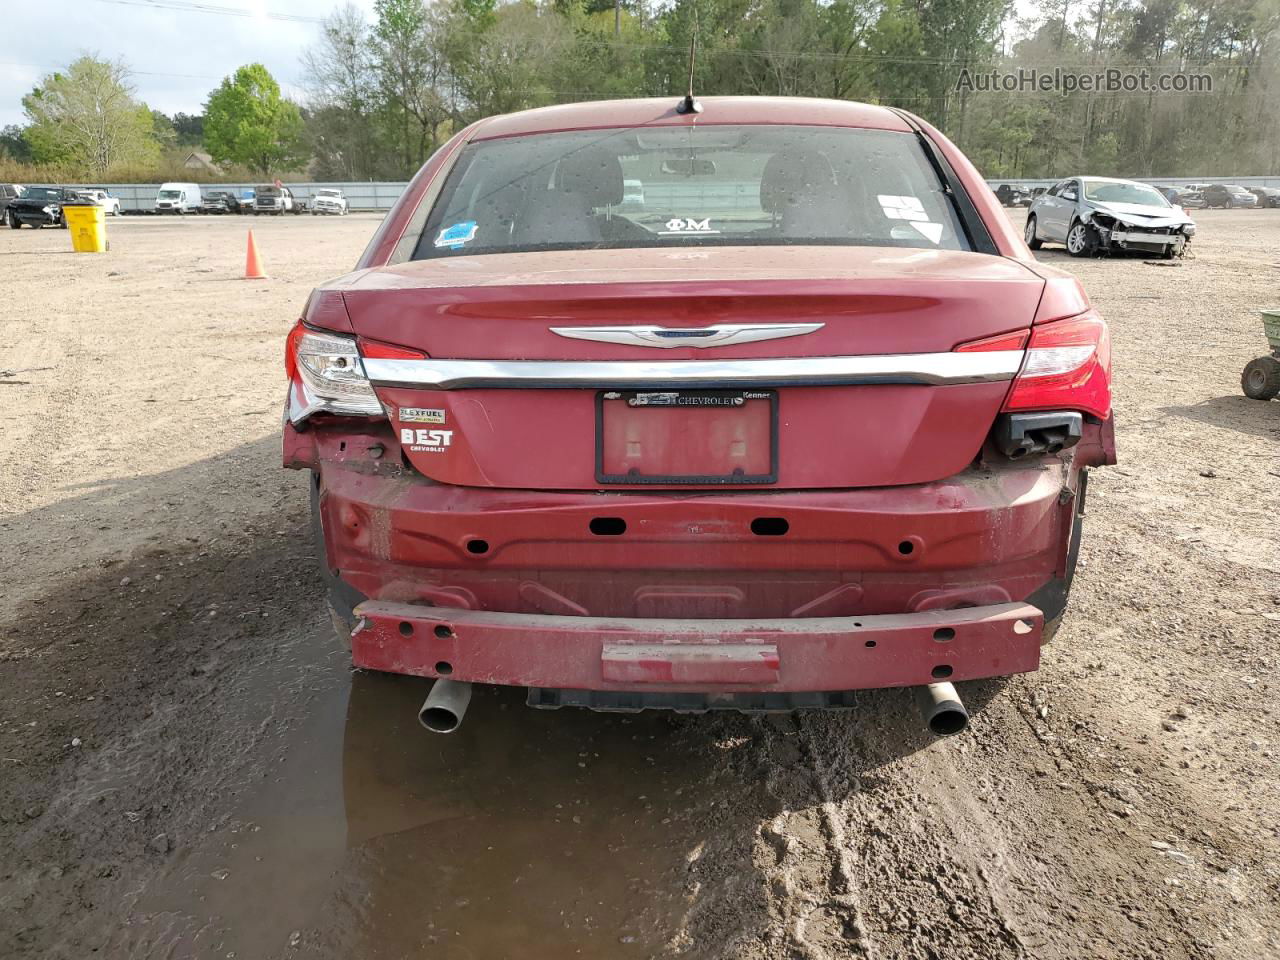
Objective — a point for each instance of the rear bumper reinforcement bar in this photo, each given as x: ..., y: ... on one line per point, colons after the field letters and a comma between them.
x: 602, y: 653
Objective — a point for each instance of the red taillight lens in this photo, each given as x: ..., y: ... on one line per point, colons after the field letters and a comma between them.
x: 375, y: 350
x: 1067, y: 367
x: 1001, y: 341
x: 291, y: 350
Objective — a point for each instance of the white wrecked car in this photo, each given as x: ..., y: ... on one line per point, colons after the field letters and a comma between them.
x: 1093, y: 214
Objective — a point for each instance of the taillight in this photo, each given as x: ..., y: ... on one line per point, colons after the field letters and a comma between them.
x: 1067, y: 367
x: 325, y: 369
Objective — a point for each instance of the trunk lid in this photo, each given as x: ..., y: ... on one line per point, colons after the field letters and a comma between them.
x: 845, y: 302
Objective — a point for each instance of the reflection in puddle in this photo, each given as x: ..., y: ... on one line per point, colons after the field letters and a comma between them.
x: 524, y: 827
x: 565, y: 830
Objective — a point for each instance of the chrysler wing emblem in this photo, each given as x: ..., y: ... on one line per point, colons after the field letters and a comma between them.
x: 723, y: 335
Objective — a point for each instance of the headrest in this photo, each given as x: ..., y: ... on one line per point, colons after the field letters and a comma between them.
x: 594, y: 175
x: 790, y: 175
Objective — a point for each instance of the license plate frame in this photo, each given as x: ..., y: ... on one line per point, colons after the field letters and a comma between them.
x: 663, y: 399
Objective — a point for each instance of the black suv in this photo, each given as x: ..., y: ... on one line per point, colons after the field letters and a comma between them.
x: 40, y: 207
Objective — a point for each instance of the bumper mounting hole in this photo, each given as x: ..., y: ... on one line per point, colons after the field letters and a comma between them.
x: 770, y: 526
x: 944, y: 634
x: 444, y: 668
x: 406, y: 628
x: 942, y: 671
x: 443, y: 631
x: 608, y: 526
x: 477, y: 546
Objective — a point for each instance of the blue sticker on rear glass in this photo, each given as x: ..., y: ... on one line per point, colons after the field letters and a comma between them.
x: 457, y: 235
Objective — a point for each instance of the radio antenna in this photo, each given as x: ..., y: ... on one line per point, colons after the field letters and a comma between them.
x: 689, y: 104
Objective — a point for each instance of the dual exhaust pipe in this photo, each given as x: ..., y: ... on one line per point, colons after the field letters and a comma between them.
x: 941, y: 708
x: 446, y: 706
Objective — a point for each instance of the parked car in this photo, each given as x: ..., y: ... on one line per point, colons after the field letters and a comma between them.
x: 40, y: 207
x: 1267, y: 196
x: 832, y: 433
x: 329, y: 200
x: 1227, y: 195
x: 101, y: 197
x: 219, y: 202
x: 633, y: 193
x: 271, y: 198
x: 8, y: 193
x: 179, y: 198
x: 1095, y: 214
x: 1011, y: 196
x: 1182, y: 197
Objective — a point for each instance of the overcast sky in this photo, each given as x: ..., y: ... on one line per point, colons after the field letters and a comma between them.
x: 177, y: 56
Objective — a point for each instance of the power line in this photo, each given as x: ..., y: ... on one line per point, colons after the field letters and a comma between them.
x: 191, y: 6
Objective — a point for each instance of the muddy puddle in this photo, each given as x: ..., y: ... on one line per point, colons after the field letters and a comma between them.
x: 371, y: 837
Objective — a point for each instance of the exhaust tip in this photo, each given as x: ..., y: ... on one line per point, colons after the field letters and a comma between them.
x: 949, y: 720
x: 445, y: 706
x: 439, y: 719
x: 943, y: 712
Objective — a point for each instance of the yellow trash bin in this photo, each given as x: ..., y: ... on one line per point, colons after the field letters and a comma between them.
x: 87, y: 224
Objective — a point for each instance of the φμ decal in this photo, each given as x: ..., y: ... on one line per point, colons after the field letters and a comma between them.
x: 684, y: 226
x: 458, y: 235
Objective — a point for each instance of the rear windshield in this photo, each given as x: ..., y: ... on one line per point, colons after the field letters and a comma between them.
x: 710, y: 185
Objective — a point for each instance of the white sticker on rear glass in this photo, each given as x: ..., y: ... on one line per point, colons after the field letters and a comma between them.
x: 902, y: 208
x: 932, y: 231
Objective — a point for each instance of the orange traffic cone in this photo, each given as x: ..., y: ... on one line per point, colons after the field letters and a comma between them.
x: 252, y: 263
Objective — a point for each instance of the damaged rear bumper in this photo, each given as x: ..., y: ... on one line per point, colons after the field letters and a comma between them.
x: 730, y: 656
x: 723, y: 594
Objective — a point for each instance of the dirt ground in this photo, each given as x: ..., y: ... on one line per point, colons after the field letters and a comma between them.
x: 188, y: 767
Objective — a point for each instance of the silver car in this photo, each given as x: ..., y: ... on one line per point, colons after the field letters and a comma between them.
x: 1096, y: 214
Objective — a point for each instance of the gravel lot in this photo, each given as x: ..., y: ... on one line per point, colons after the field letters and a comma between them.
x: 188, y: 768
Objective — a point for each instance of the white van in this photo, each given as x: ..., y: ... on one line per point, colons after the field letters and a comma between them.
x: 178, y: 198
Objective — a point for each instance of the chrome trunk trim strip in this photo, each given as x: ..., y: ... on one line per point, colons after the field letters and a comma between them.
x: 721, y: 335
x: 911, y: 368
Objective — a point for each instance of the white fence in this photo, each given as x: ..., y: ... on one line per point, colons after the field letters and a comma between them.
x: 381, y: 195
x: 361, y: 195
x: 1158, y: 181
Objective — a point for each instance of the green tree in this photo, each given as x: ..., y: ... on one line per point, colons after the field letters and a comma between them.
x: 88, y: 117
x: 410, y: 64
x: 248, y: 122
x: 14, y: 145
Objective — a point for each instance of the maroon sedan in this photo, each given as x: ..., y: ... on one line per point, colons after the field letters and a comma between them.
x: 750, y: 407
